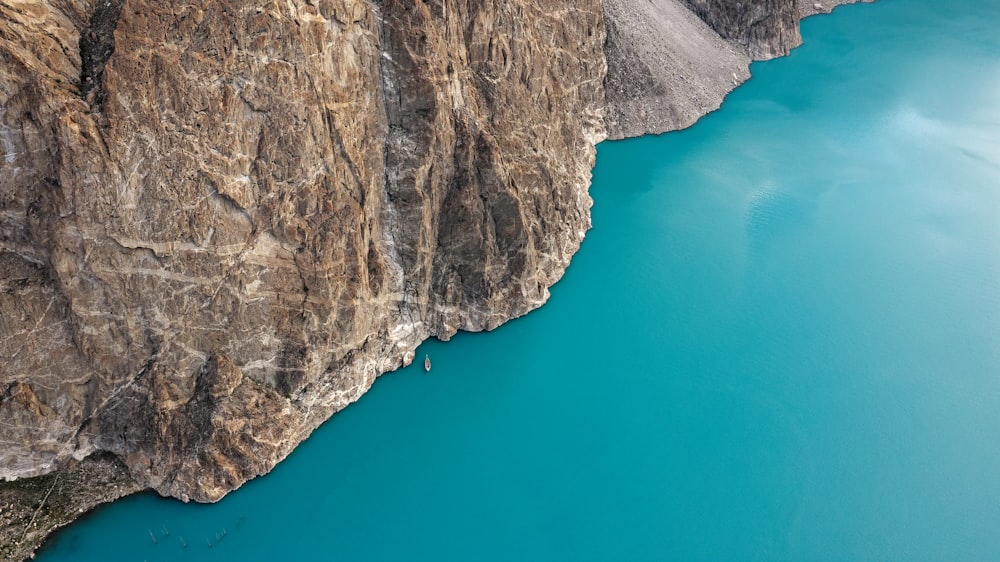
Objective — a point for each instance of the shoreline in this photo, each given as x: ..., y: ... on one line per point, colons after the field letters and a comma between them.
x: 76, y: 491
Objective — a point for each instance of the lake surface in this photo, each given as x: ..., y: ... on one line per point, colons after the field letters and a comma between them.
x: 780, y: 341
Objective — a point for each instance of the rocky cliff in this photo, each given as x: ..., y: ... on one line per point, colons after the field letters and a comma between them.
x: 219, y: 222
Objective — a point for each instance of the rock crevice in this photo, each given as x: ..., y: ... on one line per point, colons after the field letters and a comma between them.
x: 97, y: 43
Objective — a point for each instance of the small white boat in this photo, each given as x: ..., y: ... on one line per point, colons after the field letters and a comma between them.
x: 427, y: 362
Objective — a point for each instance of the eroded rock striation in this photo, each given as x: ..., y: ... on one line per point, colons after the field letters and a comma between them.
x: 220, y: 222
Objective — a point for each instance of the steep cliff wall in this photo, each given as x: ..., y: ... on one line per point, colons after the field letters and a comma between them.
x: 237, y: 231
x: 219, y: 222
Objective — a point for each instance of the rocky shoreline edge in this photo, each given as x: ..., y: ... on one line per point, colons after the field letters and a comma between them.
x: 32, y: 508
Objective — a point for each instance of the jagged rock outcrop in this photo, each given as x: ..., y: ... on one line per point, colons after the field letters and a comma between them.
x: 219, y: 222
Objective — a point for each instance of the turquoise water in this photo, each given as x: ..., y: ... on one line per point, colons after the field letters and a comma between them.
x: 780, y: 341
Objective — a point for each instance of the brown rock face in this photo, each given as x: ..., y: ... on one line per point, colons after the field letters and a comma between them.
x: 486, y: 187
x: 221, y: 222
